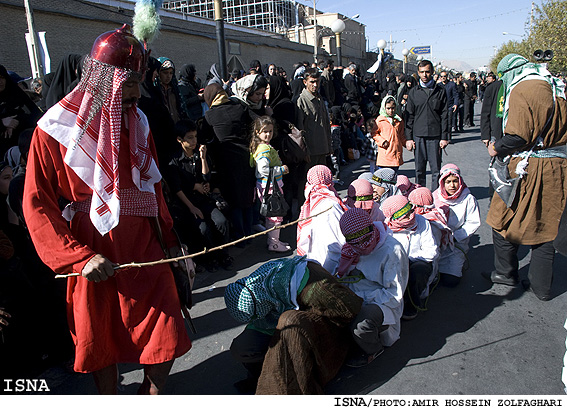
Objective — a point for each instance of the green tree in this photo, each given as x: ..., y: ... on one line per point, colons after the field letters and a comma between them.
x: 547, y: 32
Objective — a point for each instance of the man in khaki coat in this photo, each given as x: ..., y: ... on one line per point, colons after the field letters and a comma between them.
x: 313, y: 118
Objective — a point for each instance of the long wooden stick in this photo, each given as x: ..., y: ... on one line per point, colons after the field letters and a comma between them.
x: 205, y: 251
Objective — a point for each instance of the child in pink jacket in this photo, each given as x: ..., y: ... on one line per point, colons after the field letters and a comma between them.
x: 389, y: 135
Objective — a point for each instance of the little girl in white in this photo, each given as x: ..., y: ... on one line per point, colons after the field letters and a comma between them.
x: 463, y: 218
x: 264, y: 158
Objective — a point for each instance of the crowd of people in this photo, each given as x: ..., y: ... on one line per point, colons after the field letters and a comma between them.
x: 109, y: 148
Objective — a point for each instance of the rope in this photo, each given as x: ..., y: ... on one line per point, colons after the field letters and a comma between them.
x: 205, y: 251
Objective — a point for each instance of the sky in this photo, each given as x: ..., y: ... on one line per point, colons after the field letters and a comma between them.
x: 456, y: 31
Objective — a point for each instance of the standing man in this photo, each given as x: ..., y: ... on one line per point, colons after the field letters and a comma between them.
x: 169, y: 89
x: 313, y: 118
x: 534, y: 118
x: 427, y: 126
x: 471, y: 92
x: 459, y: 118
x: 352, y: 84
x: 327, y: 86
x: 452, y: 97
x: 491, y: 113
x: 94, y: 150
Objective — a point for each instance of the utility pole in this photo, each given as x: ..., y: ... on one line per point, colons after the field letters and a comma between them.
x: 314, y: 32
x: 37, y: 66
x: 219, y: 20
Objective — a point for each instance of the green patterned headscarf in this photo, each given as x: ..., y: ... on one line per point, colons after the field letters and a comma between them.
x: 385, y: 101
x: 514, y: 69
x: 264, y: 295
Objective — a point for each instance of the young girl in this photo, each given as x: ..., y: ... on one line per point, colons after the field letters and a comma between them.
x: 389, y: 135
x: 463, y: 218
x: 266, y: 158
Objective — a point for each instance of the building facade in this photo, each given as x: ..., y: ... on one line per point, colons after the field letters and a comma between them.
x: 183, y: 38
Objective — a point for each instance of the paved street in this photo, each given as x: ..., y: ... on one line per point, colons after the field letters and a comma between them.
x: 476, y: 339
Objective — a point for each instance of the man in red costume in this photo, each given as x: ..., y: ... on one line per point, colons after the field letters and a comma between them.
x: 94, y: 150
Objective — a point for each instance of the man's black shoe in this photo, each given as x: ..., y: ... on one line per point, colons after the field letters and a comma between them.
x: 528, y: 287
x: 499, y: 278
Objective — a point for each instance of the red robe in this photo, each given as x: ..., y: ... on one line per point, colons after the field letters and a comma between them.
x: 132, y: 317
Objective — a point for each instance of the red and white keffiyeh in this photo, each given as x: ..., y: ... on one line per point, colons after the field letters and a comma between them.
x: 440, y: 196
x: 87, y: 122
x: 399, y: 213
x: 359, y: 195
x: 405, y: 185
x: 422, y: 199
x: 319, y: 187
x: 362, y: 237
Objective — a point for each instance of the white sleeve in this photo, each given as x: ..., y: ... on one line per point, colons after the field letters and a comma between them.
x: 428, y: 245
x: 263, y: 167
x: 472, y: 220
x: 390, y: 294
x: 333, y: 239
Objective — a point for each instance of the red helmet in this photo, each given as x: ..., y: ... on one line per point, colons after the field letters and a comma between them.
x: 121, y: 49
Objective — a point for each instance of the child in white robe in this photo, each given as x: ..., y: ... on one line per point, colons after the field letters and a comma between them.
x: 375, y: 267
x: 414, y: 232
x: 320, y: 238
x: 463, y: 217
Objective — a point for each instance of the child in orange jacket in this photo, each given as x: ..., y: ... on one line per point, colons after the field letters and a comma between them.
x: 389, y: 135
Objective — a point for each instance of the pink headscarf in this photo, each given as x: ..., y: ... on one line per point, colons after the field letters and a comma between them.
x: 361, y: 236
x: 399, y: 213
x: 319, y: 187
x: 360, y: 195
x: 405, y: 185
x: 446, y: 171
x: 422, y: 199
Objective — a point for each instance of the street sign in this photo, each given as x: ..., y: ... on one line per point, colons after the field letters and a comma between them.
x: 421, y: 50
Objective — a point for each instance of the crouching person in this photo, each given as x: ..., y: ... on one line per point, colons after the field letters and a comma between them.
x: 297, y: 335
x: 375, y: 266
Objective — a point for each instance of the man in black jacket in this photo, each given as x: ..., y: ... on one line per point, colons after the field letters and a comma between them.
x: 490, y: 124
x: 352, y: 84
x: 471, y: 93
x: 460, y: 113
x: 427, y: 126
x: 452, y: 97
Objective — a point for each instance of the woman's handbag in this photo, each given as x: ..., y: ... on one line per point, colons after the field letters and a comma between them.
x: 353, y: 154
x: 273, y: 204
x: 292, y: 145
x: 500, y: 180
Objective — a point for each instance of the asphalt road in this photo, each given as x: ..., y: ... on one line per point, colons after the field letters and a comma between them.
x: 476, y: 339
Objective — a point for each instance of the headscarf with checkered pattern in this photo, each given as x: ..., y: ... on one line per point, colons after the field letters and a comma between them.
x: 264, y: 295
x: 362, y: 237
x: 399, y: 213
x: 319, y: 187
